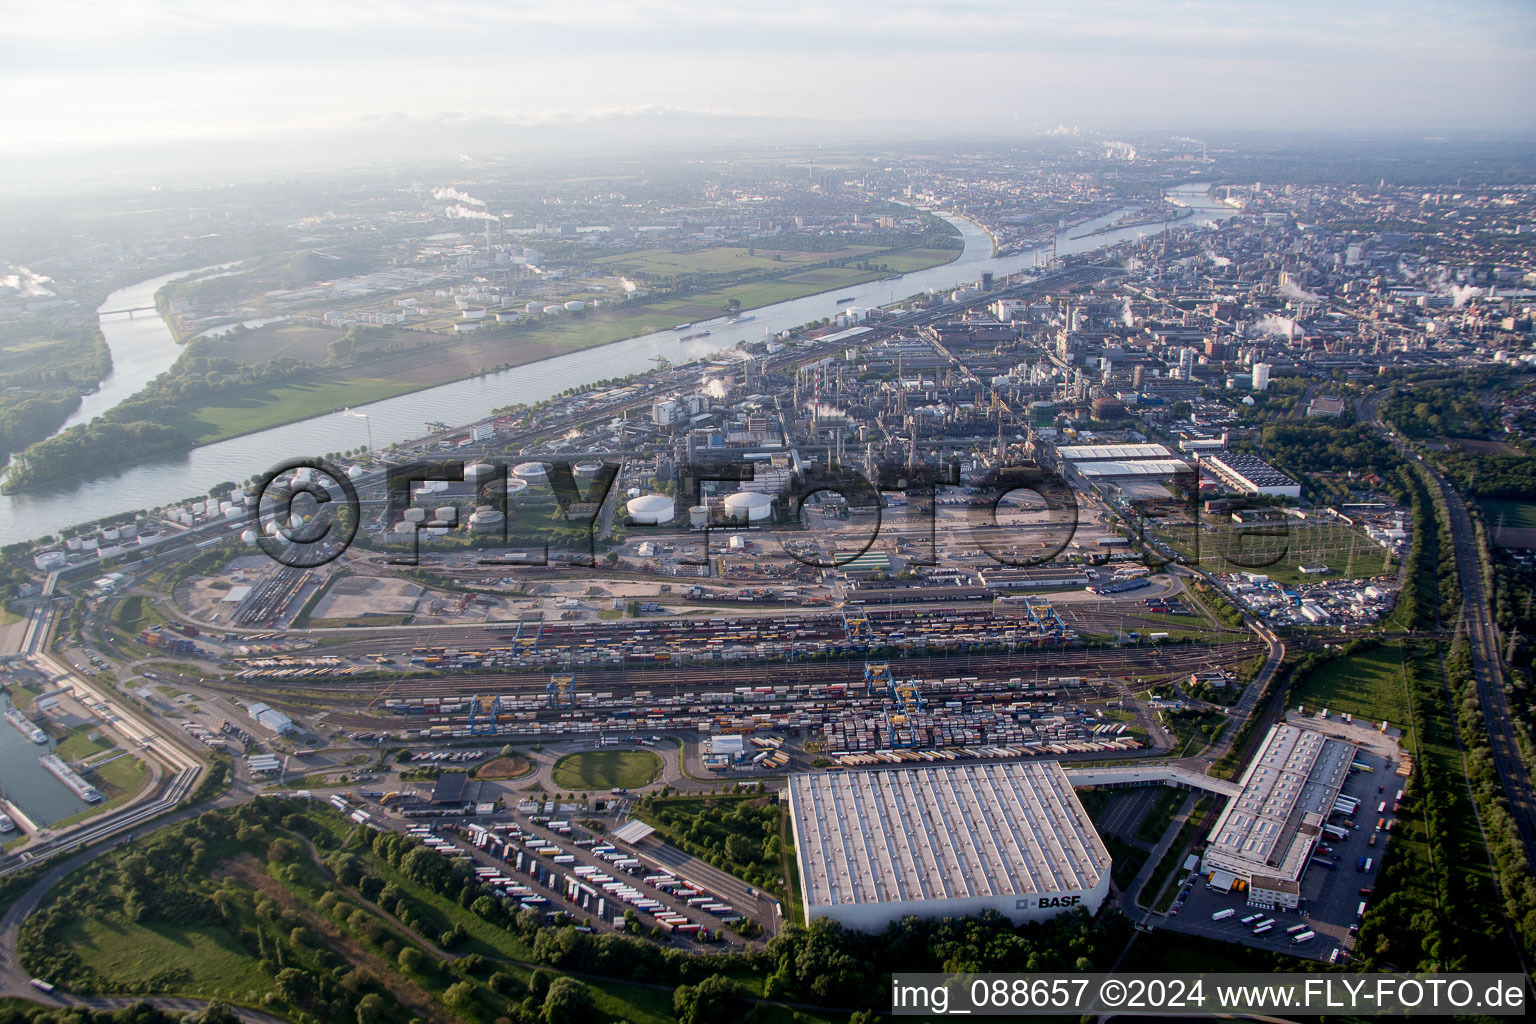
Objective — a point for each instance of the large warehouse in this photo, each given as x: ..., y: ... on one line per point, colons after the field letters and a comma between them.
x: 1249, y: 474
x: 874, y: 847
x: 1266, y: 833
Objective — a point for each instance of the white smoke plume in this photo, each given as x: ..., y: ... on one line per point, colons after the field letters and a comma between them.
x: 457, y: 196
x: 715, y: 388
x: 1126, y: 316
x: 1461, y: 294
x: 1271, y: 326
x: 468, y: 213
x: 1292, y: 290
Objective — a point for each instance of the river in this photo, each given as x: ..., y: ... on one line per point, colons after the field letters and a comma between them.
x: 141, y: 344
x: 167, y: 480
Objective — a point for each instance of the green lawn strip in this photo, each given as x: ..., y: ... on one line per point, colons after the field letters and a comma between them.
x: 1173, y: 861
x: 1160, y: 815
x: 1126, y: 860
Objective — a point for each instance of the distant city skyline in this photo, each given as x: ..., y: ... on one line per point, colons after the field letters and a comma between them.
x: 82, y: 75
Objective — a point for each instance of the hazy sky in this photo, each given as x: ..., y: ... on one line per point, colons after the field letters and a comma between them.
x: 78, y: 73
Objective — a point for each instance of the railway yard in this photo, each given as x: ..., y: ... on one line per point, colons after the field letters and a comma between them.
x: 855, y: 686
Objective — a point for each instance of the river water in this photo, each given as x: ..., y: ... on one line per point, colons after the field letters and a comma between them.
x: 142, y: 347
x: 169, y: 479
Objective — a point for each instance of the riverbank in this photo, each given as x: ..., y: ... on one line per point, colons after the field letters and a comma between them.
x: 154, y: 484
x: 404, y: 362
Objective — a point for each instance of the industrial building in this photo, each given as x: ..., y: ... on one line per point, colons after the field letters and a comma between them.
x: 1266, y: 835
x: 1251, y: 475
x: 272, y: 719
x: 874, y: 847
x: 1116, y: 452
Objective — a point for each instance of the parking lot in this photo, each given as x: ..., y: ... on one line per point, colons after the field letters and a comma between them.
x: 1330, y: 898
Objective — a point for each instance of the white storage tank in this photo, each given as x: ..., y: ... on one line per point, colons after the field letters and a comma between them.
x: 751, y: 506
x: 415, y: 515
x: 552, y: 309
x: 575, y: 305
x: 587, y: 470
x: 486, y: 519
x: 698, y: 515
x: 650, y: 509
x: 48, y: 561
x: 478, y: 472
x: 446, y: 514
x: 532, y: 472
x: 516, y: 487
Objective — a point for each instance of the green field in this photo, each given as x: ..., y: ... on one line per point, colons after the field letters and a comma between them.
x: 78, y: 745
x: 1513, y: 514
x: 1369, y: 685
x: 134, y: 613
x: 284, y: 403
x: 205, y: 961
x: 606, y: 769
x: 730, y: 259
x: 1279, y: 551
x: 439, y: 359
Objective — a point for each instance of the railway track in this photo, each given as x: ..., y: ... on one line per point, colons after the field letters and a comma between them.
x: 1034, y: 665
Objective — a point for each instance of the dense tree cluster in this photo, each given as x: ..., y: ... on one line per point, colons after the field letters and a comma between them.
x: 140, y: 1013
x: 740, y: 835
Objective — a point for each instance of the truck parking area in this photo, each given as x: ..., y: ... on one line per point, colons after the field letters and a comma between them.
x: 1340, y: 877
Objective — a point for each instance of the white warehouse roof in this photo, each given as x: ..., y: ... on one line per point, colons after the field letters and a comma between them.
x: 945, y: 841
x: 1145, y: 467
x: 1083, y: 452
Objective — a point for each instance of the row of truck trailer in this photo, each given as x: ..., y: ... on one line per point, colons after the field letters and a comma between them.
x: 586, y: 887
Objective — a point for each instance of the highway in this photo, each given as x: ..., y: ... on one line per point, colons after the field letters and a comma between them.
x: 1488, y: 670
x: 1483, y: 637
